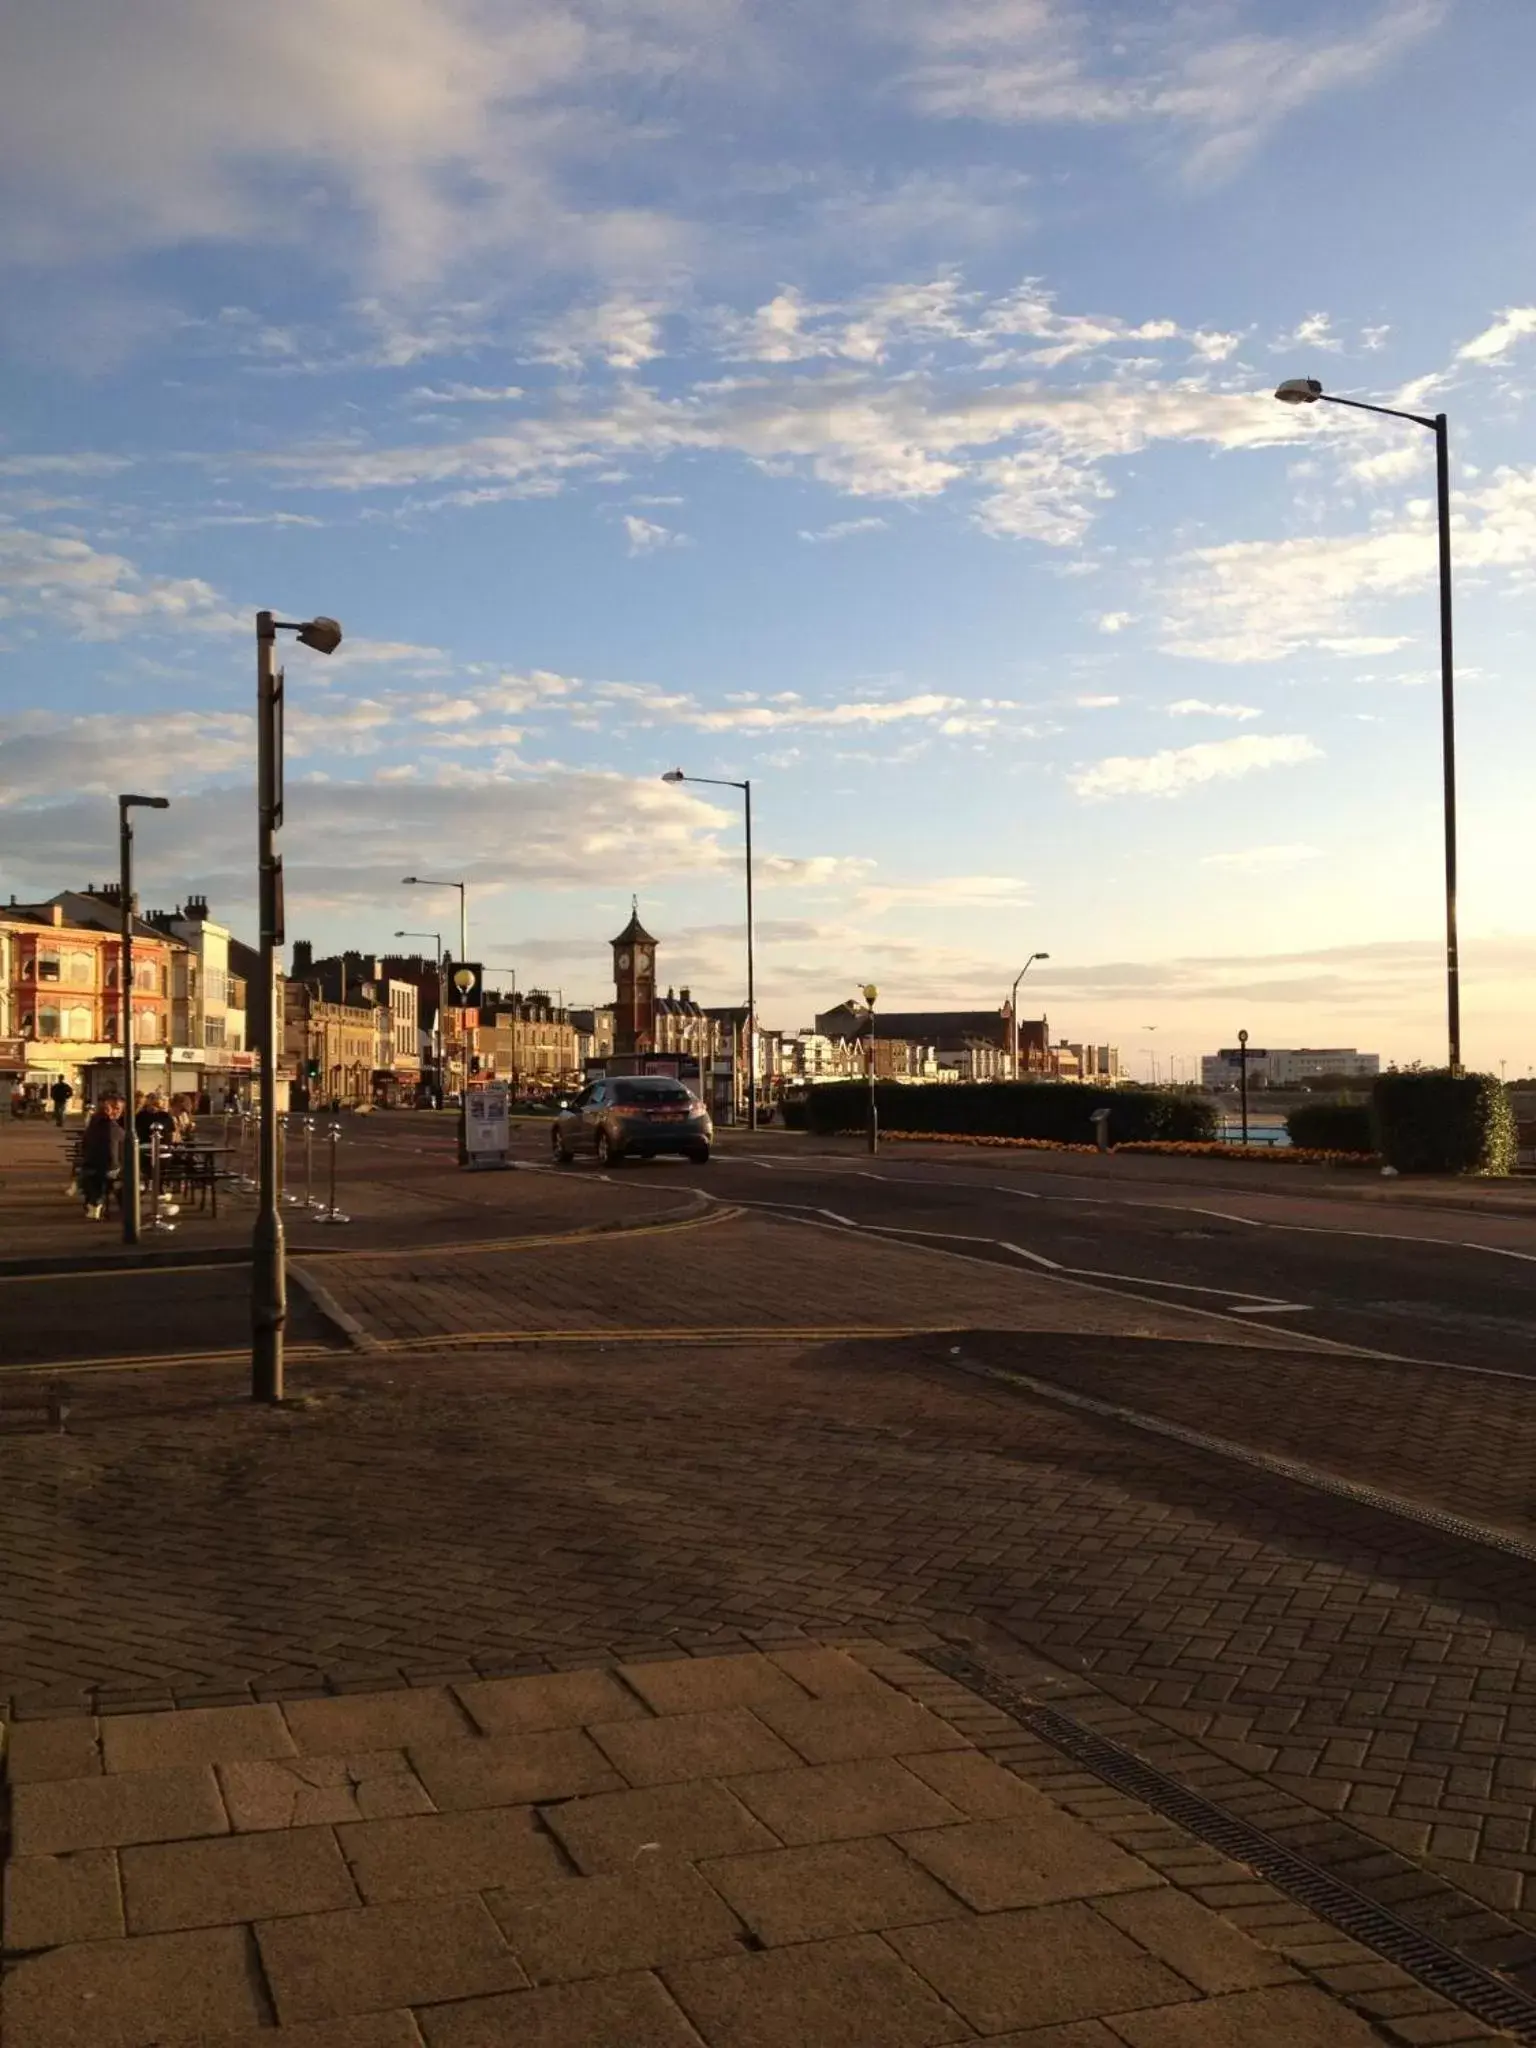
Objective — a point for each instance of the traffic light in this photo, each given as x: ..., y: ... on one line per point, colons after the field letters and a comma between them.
x: 312, y: 1069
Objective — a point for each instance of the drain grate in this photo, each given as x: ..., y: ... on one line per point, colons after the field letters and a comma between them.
x: 1483, y: 1993
x: 1438, y: 1519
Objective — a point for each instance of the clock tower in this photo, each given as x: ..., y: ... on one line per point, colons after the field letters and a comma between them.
x: 634, y: 981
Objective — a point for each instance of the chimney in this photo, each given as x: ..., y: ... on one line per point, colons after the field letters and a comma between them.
x: 303, y: 956
x: 58, y: 913
x: 684, y: 995
x: 196, y: 910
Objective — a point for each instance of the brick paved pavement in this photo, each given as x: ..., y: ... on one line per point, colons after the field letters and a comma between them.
x: 736, y: 1272
x: 750, y: 1851
x: 425, y: 1517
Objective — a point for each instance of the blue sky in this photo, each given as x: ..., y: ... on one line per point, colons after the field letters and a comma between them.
x: 872, y: 401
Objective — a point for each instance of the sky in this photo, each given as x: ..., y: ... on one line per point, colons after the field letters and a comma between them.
x: 874, y: 402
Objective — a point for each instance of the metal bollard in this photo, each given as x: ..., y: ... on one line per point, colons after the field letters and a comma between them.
x: 309, y: 1165
x: 332, y: 1213
x: 288, y: 1199
x: 160, y: 1211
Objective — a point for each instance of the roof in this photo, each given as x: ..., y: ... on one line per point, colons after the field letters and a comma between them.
x: 634, y: 933
x: 945, y: 1028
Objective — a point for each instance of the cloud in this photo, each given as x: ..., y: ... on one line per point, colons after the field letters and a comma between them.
x: 645, y: 536
x: 844, y: 529
x: 1262, y: 860
x: 400, y: 136
x: 651, y: 705
x: 1095, y: 703
x: 1192, y: 707
x: 620, y: 332
x: 1115, y: 622
x: 1177, y: 769
x: 1050, y: 62
x: 1495, y: 343
x: 469, y: 394
x: 100, y: 596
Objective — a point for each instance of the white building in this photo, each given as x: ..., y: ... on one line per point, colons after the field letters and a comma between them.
x: 1281, y: 1067
x: 208, y: 997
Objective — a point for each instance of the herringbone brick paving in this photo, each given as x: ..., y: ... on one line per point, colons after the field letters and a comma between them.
x: 441, y: 1517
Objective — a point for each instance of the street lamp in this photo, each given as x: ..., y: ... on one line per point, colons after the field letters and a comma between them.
x: 269, y: 1280
x: 716, y: 782
x: 437, y: 1029
x: 125, y: 804
x: 869, y: 993
x: 1308, y: 391
x: 1013, y: 1004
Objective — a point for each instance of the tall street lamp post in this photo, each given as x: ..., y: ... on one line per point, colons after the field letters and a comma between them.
x: 125, y: 804
x: 426, y: 882
x: 1242, y: 1078
x: 269, y: 1279
x: 1308, y: 391
x: 869, y: 993
x: 437, y: 1030
x: 1013, y: 1004
x: 716, y: 782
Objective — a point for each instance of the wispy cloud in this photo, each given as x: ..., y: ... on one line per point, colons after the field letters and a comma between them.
x: 1495, y: 343
x: 844, y: 529
x: 1177, y: 769
x: 1262, y: 860
x: 1196, y: 707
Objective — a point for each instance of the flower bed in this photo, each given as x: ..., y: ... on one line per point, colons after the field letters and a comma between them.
x: 1167, y: 1148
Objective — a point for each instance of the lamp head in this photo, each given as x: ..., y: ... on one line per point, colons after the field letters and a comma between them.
x: 324, y: 635
x: 869, y: 991
x: 1042, y: 956
x: 464, y: 979
x: 674, y: 775
x: 1299, y: 391
x: 146, y: 803
x: 410, y: 878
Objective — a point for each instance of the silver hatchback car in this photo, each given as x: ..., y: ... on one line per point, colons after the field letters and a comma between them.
x: 633, y: 1116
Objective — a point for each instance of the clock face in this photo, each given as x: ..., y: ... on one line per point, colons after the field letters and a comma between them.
x: 623, y: 959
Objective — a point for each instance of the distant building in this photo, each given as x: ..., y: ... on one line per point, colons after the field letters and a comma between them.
x: 1281, y: 1067
x: 356, y: 984
x: 529, y: 1040
x: 972, y: 1045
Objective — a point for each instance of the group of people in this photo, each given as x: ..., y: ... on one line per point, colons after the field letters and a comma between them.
x: 101, y: 1148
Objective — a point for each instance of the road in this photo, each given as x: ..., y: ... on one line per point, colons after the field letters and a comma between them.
x: 1423, y: 1284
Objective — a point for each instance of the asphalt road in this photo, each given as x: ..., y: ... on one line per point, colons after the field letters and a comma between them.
x: 1422, y: 1284
x: 82, y: 1318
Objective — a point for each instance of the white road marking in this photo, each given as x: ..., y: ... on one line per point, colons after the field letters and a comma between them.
x: 1036, y: 1258
x: 1025, y: 1194
x: 1500, y: 1251
x: 839, y: 1219
x: 1272, y: 1308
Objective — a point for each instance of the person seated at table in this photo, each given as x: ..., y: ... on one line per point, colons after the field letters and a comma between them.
x: 184, y: 1122
x: 154, y: 1116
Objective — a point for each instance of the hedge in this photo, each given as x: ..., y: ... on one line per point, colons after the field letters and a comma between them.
x: 1331, y: 1127
x: 1441, y: 1122
x: 1012, y: 1109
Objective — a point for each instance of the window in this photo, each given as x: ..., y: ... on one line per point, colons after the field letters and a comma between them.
x: 82, y: 969
x: 146, y: 1026
x: 146, y: 976
x: 47, y: 1022
x: 80, y: 1024
x: 48, y: 965
x: 213, y: 1031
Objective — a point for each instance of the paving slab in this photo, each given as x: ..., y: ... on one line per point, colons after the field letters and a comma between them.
x: 1195, y: 1942
x: 857, y: 1887
x: 859, y: 1724
x: 726, y: 1743
x: 50, y: 1900
x: 330, y: 1964
x: 437, y: 1856
x: 598, y: 1926
x: 698, y: 1684
x: 195, y: 1735
x: 1292, y: 2017
x: 366, y: 1721
x: 365, y: 2030
x: 37, y: 1751
x: 628, y: 2012
x: 512, y: 1770
x: 838, y: 1801
x: 670, y: 1822
x: 170, y: 1885
x: 1036, y: 1968
x: 553, y: 1699
x: 134, y: 1993
x: 103, y: 1813
x: 838, y: 1994
x: 317, y: 1791
x: 993, y: 1864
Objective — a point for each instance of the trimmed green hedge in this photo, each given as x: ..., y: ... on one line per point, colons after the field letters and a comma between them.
x: 1444, y: 1123
x: 1012, y: 1109
x: 1332, y: 1127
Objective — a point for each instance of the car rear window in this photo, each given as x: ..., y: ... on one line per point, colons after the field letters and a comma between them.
x: 636, y: 1092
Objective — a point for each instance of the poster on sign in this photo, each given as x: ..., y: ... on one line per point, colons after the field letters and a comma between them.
x: 487, y: 1137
